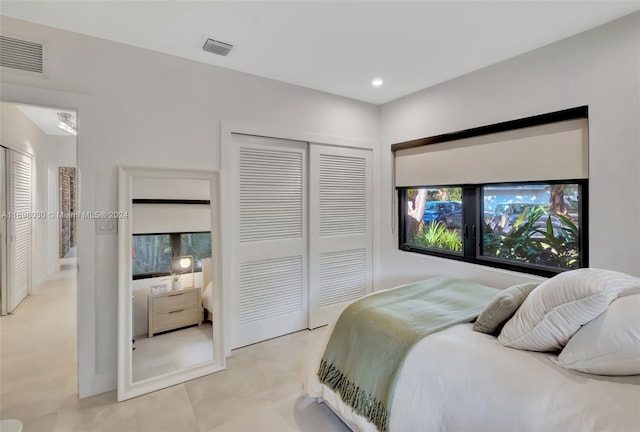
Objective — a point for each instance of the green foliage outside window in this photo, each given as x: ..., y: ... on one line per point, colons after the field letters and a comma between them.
x: 534, y: 239
x: 196, y: 244
x: 151, y: 254
x: 436, y: 235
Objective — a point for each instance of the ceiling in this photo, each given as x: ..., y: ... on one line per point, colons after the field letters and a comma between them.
x: 46, y: 118
x: 337, y: 47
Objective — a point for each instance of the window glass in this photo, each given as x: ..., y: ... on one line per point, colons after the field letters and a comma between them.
x: 531, y: 227
x: 433, y: 218
x: 533, y: 223
x: 151, y: 254
x: 158, y: 254
x: 196, y: 244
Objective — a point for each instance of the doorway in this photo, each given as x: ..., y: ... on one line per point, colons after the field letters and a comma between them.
x: 68, y: 204
x: 38, y: 292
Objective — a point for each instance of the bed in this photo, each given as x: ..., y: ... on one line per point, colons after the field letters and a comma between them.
x: 207, y: 288
x: 463, y: 380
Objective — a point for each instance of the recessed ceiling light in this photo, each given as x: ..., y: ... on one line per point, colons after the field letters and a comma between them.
x: 377, y: 82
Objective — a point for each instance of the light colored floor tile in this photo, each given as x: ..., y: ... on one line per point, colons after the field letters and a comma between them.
x: 304, y: 414
x: 259, y: 391
x: 171, y: 351
x: 118, y: 416
x: 38, y: 352
x: 254, y: 418
x: 44, y: 423
x: 166, y: 410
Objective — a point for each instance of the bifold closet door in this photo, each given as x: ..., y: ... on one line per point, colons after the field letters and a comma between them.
x: 340, y: 230
x: 270, y: 296
x: 19, y: 228
x: 3, y: 234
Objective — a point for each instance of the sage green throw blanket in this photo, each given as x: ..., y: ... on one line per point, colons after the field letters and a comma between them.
x: 372, y: 337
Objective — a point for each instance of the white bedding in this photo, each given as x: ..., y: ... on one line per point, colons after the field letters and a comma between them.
x: 207, y: 286
x: 461, y: 380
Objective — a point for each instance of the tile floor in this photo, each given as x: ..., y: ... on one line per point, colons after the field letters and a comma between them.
x: 170, y: 351
x: 259, y: 391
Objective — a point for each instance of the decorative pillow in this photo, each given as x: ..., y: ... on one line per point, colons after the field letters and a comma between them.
x: 555, y: 310
x: 608, y: 345
x: 502, y: 307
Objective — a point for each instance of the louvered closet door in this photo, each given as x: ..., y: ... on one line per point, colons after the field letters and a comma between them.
x: 3, y: 234
x: 19, y: 245
x: 340, y: 230
x: 270, y: 289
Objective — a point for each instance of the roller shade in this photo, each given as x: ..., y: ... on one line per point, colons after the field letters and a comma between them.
x: 555, y: 151
x: 170, y: 218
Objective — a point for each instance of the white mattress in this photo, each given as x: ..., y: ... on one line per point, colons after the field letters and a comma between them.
x: 461, y: 380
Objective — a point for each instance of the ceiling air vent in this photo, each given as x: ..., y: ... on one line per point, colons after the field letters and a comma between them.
x: 21, y: 54
x: 217, y: 47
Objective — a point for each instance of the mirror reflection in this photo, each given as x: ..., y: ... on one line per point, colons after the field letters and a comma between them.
x: 171, y: 275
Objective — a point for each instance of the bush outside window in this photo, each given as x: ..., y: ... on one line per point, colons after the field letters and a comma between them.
x: 534, y: 224
x: 437, y: 218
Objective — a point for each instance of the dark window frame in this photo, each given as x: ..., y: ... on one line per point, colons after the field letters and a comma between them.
x: 473, y: 225
x: 176, y: 253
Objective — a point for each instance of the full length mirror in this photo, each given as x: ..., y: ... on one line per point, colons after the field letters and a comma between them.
x: 170, y: 327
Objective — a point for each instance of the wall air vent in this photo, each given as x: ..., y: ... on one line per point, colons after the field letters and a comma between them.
x: 21, y: 54
x: 217, y: 47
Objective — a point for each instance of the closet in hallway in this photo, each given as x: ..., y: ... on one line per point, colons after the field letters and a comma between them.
x: 15, y: 228
x: 302, y: 234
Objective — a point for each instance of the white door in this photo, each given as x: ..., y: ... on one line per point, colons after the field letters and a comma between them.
x: 270, y: 289
x: 340, y: 230
x: 3, y: 235
x: 19, y: 229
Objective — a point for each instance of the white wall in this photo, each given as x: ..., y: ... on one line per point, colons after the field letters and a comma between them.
x: 18, y: 132
x: 599, y: 68
x: 142, y: 108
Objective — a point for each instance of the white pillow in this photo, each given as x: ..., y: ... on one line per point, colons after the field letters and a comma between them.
x: 555, y: 310
x: 608, y: 345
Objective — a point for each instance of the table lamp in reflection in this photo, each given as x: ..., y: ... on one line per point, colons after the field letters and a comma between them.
x: 186, y: 261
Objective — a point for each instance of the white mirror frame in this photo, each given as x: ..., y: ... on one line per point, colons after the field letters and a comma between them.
x: 126, y: 387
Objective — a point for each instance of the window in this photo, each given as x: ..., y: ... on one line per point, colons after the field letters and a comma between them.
x: 151, y: 254
x: 537, y: 224
x: 439, y: 225
x: 197, y: 245
x: 531, y: 227
x: 156, y: 255
x: 511, y: 195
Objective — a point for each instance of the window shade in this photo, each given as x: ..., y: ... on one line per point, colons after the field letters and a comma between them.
x: 555, y: 151
x: 170, y: 218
